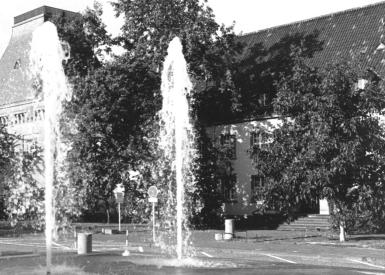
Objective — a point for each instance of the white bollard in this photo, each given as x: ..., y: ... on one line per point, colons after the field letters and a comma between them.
x: 218, y: 236
x: 229, y: 229
x: 75, y: 239
x: 126, y: 251
x: 84, y: 243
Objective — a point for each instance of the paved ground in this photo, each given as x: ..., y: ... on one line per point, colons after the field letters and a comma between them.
x: 254, y: 252
x: 113, y: 263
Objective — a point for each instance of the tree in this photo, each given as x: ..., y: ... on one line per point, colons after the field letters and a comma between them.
x: 261, y: 66
x: 209, y: 49
x: 212, y: 166
x: 87, y: 37
x: 115, y: 106
x: 108, y: 114
x: 7, y: 156
x: 88, y: 40
x: 25, y: 191
x: 22, y: 189
x: 330, y: 145
x: 21, y: 171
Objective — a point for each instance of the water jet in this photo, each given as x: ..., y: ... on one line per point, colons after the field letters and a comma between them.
x: 177, y: 135
x: 46, y: 65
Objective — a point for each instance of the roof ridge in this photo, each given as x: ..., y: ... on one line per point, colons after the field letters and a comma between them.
x: 338, y: 13
x: 38, y: 11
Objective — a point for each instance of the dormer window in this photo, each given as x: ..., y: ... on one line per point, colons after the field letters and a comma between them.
x: 17, y: 64
x: 381, y: 47
x: 370, y: 77
x: 361, y: 83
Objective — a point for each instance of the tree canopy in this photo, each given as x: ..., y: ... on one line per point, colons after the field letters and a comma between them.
x: 209, y: 48
x: 330, y: 145
x: 7, y: 156
x: 87, y: 37
x: 115, y: 105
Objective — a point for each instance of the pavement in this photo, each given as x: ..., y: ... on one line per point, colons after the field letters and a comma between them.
x: 251, y: 252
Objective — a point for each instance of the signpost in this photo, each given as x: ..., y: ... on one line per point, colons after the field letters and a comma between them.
x: 119, y: 196
x: 153, y: 193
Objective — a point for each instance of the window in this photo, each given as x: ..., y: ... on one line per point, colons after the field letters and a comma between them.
x: 29, y: 143
x: 227, y: 185
x: 262, y: 100
x: 4, y: 120
x: 39, y: 114
x: 17, y: 64
x: 228, y: 142
x: 380, y: 47
x: 361, y: 84
x: 257, y: 184
x: 19, y: 118
x: 260, y: 139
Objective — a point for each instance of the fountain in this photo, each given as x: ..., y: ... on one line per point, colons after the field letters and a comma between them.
x: 176, y: 141
x: 46, y: 60
x: 176, y: 136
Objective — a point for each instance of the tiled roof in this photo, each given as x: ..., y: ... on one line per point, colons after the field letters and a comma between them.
x: 351, y: 33
x: 15, y: 82
x: 15, y: 77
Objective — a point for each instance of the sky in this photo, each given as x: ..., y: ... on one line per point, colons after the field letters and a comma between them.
x: 249, y: 15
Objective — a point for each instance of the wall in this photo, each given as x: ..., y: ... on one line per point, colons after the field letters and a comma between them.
x: 19, y: 108
x: 242, y: 165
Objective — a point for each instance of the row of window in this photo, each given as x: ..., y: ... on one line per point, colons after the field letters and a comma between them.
x: 227, y: 186
x: 260, y: 139
x: 23, y: 117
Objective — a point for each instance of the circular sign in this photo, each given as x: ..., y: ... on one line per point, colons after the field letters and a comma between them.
x: 152, y: 191
x: 119, y: 188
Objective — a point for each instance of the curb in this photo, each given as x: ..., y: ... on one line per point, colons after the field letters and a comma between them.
x: 20, y: 256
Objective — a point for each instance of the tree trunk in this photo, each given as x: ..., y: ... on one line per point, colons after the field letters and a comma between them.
x: 108, y: 215
x: 342, y: 231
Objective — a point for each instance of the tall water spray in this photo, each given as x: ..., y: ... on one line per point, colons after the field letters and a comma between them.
x: 176, y: 137
x: 46, y: 65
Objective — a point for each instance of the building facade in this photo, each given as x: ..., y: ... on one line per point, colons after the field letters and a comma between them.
x: 19, y: 109
x: 242, y: 187
x: 356, y: 36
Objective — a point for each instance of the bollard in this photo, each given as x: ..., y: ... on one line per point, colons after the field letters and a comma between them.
x: 75, y: 239
x: 84, y: 243
x: 126, y: 251
x: 229, y: 229
x: 218, y: 236
x: 126, y: 237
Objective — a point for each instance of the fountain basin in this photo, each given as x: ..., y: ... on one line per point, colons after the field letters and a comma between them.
x: 193, y: 263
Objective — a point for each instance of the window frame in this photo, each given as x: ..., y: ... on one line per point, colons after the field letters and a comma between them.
x: 229, y: 141
x: 228, y: 187
x: 263, y: 139
x: 257, y: 184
